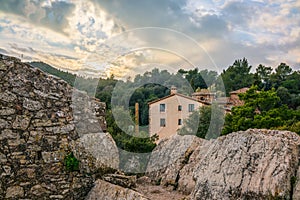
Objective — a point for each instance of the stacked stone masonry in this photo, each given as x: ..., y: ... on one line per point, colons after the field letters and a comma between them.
x: 37, y: 128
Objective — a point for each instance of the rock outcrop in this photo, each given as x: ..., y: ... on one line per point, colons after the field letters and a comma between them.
x: 121, y: 180
x: 43, y: 119
x: 171, y: 161
x: 253, y: 164
x: 107, y: 191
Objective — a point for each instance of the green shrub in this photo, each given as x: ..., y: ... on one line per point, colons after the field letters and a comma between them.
x: 71, y: 162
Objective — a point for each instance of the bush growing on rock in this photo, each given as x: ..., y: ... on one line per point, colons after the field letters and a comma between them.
x: 71, y: 162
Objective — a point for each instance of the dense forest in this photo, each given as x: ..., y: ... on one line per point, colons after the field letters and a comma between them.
x: 273, y: 101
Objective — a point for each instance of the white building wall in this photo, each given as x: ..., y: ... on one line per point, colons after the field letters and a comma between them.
x: 171, y: 115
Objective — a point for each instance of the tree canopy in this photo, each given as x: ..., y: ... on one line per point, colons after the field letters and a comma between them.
x: 207, y: 122
x: 273, y: 101
x: 237, y: 76
x: 262, y: 109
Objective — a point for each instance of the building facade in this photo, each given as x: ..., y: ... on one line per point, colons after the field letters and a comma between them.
x: 204, y: 95
x: 167, y: 115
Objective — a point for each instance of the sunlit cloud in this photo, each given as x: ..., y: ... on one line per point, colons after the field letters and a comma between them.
x: 72, y: 34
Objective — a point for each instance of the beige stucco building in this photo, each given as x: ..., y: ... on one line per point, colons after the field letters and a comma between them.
x: 166, y: 115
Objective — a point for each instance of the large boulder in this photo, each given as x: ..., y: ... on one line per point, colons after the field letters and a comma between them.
x: 107, y: 191
x: 97, y: 152
x: 172, y: 161
x: 253, y: 164
x: 250, y: 164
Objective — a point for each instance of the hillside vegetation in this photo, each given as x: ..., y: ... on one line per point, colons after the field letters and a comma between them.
x: 276, y: 106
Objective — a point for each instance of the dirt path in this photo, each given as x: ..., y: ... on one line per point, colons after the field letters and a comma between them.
x: 154, y: 192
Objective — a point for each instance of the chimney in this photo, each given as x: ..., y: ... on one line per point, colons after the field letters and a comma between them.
x: 173, y: 90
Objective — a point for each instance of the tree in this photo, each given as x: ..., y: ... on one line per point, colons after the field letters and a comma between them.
x: 209, y: 77
x: 282, y: 71
x: 262, y: 109
x: 262, y: 77
x: 199, y: 79
x: 280, y: 75
x: 126, y: 140
x: 292, y: 82
x: 207, y: 122
x: 284, y: 95
x: 195, y: 79
x: 237, y: 76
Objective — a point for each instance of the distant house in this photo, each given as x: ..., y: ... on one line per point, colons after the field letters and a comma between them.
x: 234, y: 99
x: 204, y: 95
x: 166, y: 115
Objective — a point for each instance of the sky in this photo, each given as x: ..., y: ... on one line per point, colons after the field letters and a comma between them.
x: 123, y: 37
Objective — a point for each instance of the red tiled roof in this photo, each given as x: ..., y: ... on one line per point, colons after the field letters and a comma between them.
x: 242, y: 90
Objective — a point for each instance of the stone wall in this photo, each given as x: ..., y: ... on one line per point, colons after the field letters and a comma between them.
x: 37, y: 127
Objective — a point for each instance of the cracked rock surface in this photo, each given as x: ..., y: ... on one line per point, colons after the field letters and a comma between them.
x: 252, y: 164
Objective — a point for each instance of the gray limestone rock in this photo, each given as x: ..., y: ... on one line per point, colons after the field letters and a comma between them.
x: 107, y: 191
x: 97, y: 151
x: 295, y: 182
x: 3, y: 123
x: 21, y: 122
x: 32, y: 105
x: 254, y: 164
x: 170, y: 157
x: 14, y: 192
x: 121, y: 180
x: 7, y: 97
x: 3, y: 66
x: 7, y: 111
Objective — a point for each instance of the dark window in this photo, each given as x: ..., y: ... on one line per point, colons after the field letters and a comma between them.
x: 162, y: 122
x: 162, y: 107
x: 179, y: 121
x: 191, y: 107
x: 179, y: 108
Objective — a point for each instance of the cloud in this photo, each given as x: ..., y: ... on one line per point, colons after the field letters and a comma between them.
x: 50, y: 32
x: 136, y: 13
x: 52, y: 15
x: 239, y: 14
x: 90, y: 26
x: 76, y: 34
x: 175, y: 15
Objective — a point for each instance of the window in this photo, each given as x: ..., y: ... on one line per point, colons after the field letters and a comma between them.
x: 179, y: 121
x: 162, y: 122
x: 191, y: 107
x: 162, y: 107
x: 180, y: 108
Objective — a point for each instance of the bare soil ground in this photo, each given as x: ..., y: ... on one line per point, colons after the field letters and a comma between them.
x: 155, y: 192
